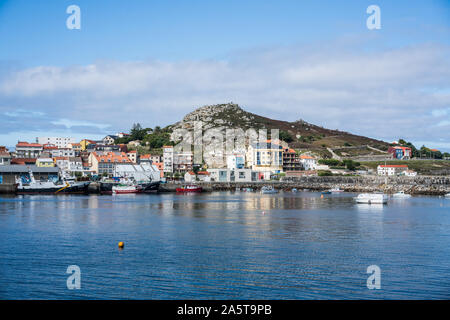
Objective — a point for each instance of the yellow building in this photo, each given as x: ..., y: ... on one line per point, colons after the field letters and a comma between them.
x: 75, y: 147
x: 45, y: 163
x: 84, y: 143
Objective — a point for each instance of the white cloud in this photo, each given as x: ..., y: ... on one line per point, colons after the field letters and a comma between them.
x: 384, y: 94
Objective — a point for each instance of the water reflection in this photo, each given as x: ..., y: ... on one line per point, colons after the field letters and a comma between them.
x: 223, y: 245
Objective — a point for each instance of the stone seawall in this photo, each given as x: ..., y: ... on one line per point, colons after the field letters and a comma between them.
x: 425, y: 185
x: 8, y: 188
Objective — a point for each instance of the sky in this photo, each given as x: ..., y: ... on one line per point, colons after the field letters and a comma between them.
x: 154, y: 61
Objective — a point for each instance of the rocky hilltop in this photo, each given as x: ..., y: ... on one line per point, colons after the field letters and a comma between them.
x: 299, y: 134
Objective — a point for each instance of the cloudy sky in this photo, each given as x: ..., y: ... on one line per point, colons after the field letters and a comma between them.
x: 154, y: 61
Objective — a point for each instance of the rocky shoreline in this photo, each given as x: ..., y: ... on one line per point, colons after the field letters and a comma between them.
x: 422, y: 185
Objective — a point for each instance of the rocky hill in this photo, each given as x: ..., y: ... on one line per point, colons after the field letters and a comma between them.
x: 299, y: 134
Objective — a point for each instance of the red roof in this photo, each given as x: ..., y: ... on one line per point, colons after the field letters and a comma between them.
x: 206, y: 173
x: 23, y: 161
x: 26, y: 144
x: 112, y: 157
x: 50, y: 147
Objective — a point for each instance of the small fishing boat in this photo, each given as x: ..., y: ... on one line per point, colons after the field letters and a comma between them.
x: 336, y: 190
x: 401, y: 194
x: 294, y: 190
x: 268, y: 190
x: 126, y: 189
x: 326, y: 192
x: 190, y: 188
x: 447, y: 195
x: 370, y: 198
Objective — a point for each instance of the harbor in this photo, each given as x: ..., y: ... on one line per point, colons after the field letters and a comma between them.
x: 223, y: 245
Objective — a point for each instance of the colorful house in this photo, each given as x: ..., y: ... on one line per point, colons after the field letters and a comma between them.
x: 398, y: 152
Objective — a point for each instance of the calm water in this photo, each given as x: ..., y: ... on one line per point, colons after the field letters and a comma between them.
x: 223, y: 246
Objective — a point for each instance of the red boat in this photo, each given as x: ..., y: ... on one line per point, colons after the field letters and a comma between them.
x: 190, y: 188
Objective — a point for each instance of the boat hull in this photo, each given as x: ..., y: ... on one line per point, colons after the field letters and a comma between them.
x: 126, y: 190
x: 150, y: 187
x: 190, y: 190
x: 81, y: 188
x: 372, y: 199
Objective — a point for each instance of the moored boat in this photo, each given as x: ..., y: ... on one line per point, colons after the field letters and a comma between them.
x: 370, y: 198
x: 268, y: 190
x: 189, y: 188
x: 126, y: 189
x: 336, y: 190
x: 150, y: 187
x: 447, y: 195
x: 401, y: 194
x: 50, y: 187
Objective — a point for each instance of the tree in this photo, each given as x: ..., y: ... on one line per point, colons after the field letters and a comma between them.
x: 285, y: 136
x: 351, y: 165
x: 137, y: 132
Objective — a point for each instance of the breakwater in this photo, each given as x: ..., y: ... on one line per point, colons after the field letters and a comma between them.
x: 425, y: 185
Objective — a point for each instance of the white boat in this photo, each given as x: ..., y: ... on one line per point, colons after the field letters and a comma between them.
x: 126, y: 189
x: 266, y: 190
x: 294, y: 190
x: 447, y: 195
x: 401, y: 194
x: 371, y: 198
x: 336, y: 190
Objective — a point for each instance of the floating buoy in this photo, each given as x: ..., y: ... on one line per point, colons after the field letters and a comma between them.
x: 121, y: 244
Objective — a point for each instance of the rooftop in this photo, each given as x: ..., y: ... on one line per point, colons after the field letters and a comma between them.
x: 393, y: 166
x: 23, y: 169
x: 26, y: 144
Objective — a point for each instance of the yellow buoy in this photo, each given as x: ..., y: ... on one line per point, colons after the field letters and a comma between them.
x: 121, y: 244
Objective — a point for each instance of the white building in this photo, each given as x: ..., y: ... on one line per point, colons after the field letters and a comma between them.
x: 60, y: 142
x: 76, y: 164
x: 391, y: 169
x: 28, y: 150
x: 62, y: 163
x: 236, y: 175
x: 168, y: 158
x: 265, y: 156
x: 63, y: 152
x: 139, y: 172
x: 109, y: 140
x: 236, y: 161
x: 133, y: 156
x: 308, y: 162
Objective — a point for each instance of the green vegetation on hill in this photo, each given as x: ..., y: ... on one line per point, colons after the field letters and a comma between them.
x: 425, y: 167
x: 154, y: 138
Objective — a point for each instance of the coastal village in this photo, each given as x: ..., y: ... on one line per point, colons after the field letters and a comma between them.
x: 151, y: 153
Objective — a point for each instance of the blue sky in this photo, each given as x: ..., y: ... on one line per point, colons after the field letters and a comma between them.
x: 154, y: 61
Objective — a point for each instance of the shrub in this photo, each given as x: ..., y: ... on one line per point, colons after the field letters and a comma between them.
x: 323, y: 173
